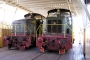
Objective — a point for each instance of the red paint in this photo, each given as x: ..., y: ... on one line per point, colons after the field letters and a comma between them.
x: 20, y: 40
x: 54, y: 42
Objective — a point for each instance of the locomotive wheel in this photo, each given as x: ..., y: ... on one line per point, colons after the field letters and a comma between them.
x: 9, y: 46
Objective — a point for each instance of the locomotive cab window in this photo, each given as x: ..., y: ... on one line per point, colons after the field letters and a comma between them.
x: 53, y: 14
x: 67, y: 30
x: 29, y: 27
x: 54, y: 26
x: 70, y: 20
x: 18, y: 26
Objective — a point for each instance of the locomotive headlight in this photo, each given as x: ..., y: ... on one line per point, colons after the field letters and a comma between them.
x: 40, y: 40
x: 59, y: 42
x: 63, y: 41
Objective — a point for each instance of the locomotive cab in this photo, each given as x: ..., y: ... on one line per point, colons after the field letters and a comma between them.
x: 58, y: 18
x: 57, y: 31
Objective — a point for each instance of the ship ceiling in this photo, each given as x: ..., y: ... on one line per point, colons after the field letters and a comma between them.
x: 42, y: 6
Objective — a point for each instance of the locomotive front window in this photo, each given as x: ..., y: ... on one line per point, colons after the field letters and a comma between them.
x: 18, y: 28
x: 54, y: 26
x: 66, y: 14
x: 54, y: 14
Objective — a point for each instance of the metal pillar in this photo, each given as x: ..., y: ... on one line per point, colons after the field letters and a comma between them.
x: 88, y: 15
x: 84, y: 42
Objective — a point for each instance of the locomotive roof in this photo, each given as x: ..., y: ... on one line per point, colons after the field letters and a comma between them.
x: 22, y: 20
x: 33, y: 14
x: 61, y: 10
x: 27, y: 15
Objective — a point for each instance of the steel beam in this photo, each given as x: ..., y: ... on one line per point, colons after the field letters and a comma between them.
x: 85, y: 8
x: 17, y: 5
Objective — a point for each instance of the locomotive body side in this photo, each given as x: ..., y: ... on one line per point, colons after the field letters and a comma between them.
x: 57, y: 34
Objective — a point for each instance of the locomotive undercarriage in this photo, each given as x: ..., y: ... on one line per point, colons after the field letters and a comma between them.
x: 21, y: 42
x: 61, y: 44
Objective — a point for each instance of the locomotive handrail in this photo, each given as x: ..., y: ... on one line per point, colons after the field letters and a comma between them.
x: 55, y: 24
x: 29, y: 30
x: 69, y: 27
x: 42, y: 29
x: 15, y: 30
x: 72, y: 32
x: 37, y: 30
x: 41, y: 26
